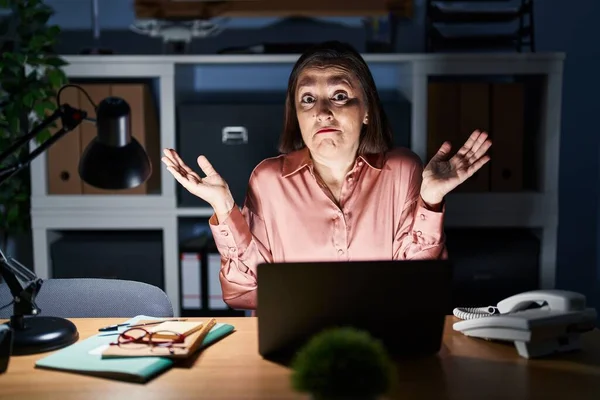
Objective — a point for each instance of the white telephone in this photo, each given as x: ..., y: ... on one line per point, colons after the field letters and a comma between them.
x: 554, y: 325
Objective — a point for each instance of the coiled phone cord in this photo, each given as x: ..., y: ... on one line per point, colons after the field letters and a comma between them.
x: 474, y: 312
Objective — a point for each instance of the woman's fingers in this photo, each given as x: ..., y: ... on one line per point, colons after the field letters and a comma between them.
x: 188, y: 182
x: 481, y: 150
x: 206, y: 166
x: 468, y: 146
x: 479, y: 143
x: 168, y: 154
x: 173, y: 167
x: 186, y: 176
x: 171, y: 158
x: 183, y: 165
x: 167, y: 161
x: 476, y: 166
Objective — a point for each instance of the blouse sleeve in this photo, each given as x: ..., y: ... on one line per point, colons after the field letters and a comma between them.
x: 420, y: 232
x: 242, y: 242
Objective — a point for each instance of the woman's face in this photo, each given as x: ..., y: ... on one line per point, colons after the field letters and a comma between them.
x: 331, y: 111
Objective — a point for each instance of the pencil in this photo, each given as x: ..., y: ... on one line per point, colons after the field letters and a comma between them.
x: 205, y: 329
x: 157, y: 322
x: 117, y: 326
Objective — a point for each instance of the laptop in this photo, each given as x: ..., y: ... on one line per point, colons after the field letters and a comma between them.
x: 401, y: 303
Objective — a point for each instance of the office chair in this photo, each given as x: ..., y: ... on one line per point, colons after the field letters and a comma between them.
x: 94, y: 298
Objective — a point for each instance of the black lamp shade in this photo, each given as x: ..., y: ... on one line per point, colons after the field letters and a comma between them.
x: 113, y: 168
x: 114, y: 160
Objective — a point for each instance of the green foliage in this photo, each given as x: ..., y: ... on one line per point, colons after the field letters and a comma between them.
x: 342, y: 363
x: 30, y: 76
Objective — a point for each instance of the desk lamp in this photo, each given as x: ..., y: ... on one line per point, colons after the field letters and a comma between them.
x: 113, y: 160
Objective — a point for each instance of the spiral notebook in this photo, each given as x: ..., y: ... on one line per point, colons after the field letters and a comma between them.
x: 85, y: 357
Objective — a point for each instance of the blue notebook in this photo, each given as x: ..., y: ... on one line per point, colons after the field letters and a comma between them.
x: 85, y: 357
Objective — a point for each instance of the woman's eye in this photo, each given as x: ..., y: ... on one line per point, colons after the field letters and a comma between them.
x: 307, y: 99
x: 340, y: 97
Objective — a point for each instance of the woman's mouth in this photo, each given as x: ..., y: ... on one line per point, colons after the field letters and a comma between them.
x: 325, y: 130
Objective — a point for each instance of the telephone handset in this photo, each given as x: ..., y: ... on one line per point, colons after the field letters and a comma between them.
x: 552, y: 299
x: 539, y: 322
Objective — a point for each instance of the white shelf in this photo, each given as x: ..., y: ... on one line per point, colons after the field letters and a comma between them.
x: 201, y: 212
x: 74, y: 203
x: 528, y: 210
x: 99, y: 220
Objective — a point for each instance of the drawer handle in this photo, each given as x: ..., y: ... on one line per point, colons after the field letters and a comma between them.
x: 235, y: 135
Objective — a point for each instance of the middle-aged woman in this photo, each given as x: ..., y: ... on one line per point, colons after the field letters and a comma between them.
x: 339, y: 190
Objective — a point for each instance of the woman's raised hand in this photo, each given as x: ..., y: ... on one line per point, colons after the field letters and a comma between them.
x: 444, y: 173
x: 212, y: 188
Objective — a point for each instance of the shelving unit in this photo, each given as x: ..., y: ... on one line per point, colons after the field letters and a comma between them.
x: 514, y: 16
x: 408, y: 73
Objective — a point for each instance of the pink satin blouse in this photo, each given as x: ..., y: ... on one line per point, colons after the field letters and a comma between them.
x: 289, y: 215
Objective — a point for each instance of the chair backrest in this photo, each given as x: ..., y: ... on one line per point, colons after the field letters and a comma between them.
x: 95, y: 298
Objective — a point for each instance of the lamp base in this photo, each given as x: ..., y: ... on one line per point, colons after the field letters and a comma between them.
x: 41, y: 334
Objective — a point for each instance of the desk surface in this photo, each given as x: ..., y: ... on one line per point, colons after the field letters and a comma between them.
x: 465, y: 368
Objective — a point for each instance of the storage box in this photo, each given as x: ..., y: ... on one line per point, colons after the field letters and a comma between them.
x: 234, y: 137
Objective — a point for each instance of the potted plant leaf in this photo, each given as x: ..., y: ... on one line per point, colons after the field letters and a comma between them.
x: 342, y: 363
x: 30, y: 75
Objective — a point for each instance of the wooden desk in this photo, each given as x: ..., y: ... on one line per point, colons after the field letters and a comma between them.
x: 465, y: 368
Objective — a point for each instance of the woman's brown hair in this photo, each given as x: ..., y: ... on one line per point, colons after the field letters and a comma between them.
x: 376, y: 136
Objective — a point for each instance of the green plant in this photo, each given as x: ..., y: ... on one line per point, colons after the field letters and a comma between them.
x: 30, y: 75
x: 342, y: 363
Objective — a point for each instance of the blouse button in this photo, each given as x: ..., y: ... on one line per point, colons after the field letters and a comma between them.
x: 340, y: 252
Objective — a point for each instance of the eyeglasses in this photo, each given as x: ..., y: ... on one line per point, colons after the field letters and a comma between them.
x: 140, y: 338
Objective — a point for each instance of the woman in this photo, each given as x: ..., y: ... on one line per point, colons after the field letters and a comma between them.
x: 338, y: 191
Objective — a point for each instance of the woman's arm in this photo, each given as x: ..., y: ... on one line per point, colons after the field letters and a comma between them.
x: 242, y: 241
x: 420, y: 232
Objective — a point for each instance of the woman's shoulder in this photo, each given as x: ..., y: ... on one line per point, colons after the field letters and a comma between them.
x: 282, y: 165
x: 268, y: 168
x: 402, y: 157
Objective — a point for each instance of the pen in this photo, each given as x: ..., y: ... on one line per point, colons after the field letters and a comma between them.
x: 116, y: 326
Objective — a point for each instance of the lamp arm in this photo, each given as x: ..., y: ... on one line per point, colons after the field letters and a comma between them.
x: 130, y: 165
x: 23, y: 295
x: 27, y: 137
x: 71, y: 118
x: 11, y: 270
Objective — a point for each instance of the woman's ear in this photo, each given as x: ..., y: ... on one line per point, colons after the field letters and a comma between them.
x: 366, y: 119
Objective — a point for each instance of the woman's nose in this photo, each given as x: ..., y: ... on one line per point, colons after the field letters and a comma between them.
x: 323, y: 110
